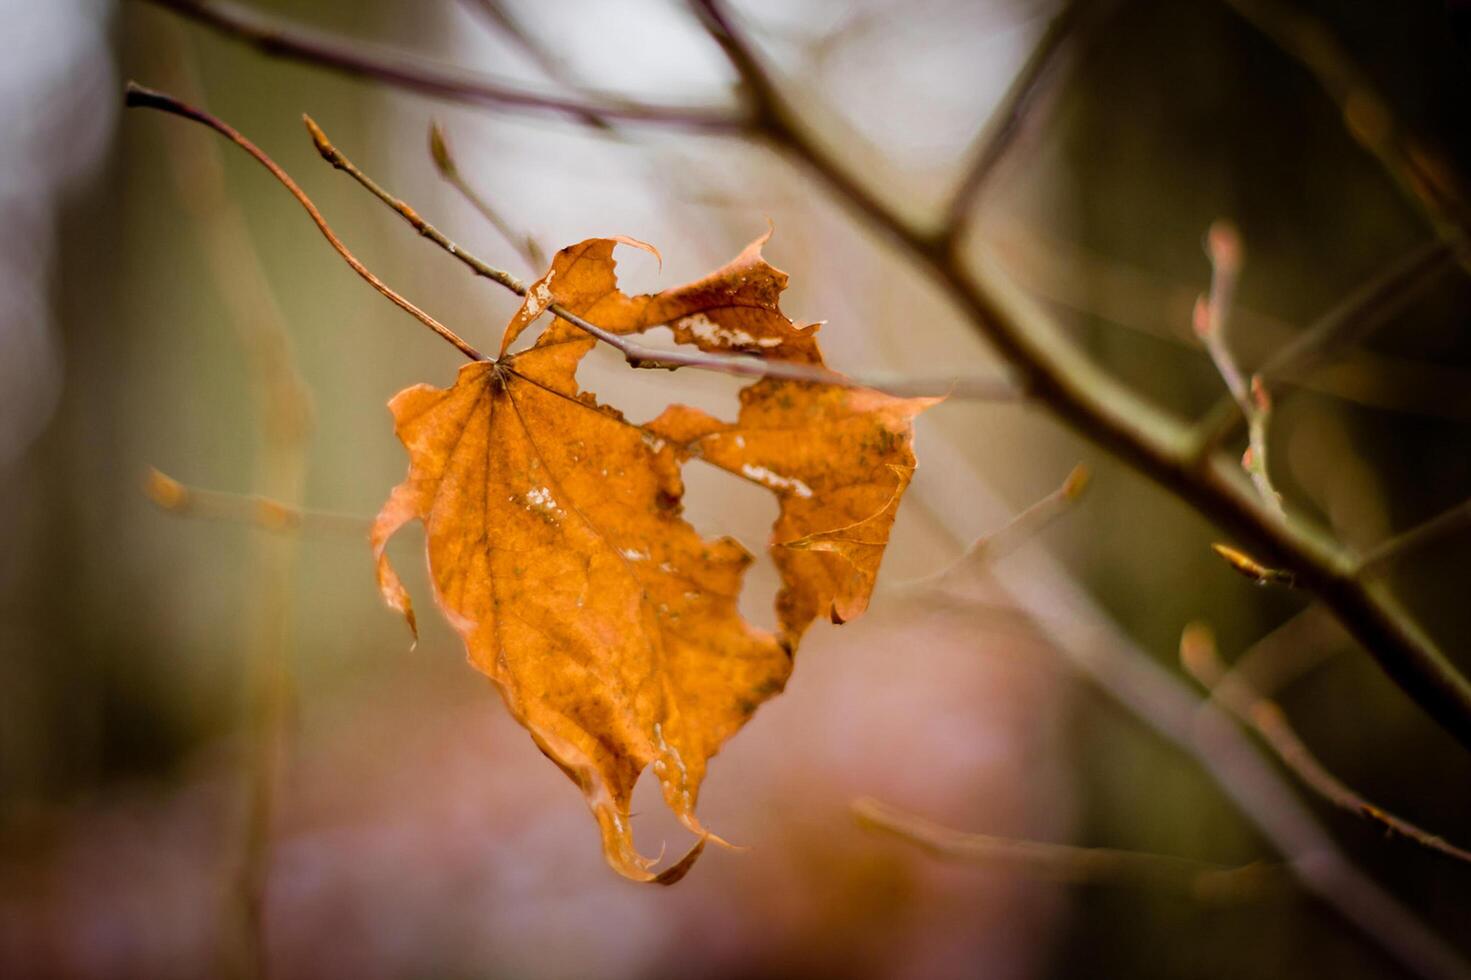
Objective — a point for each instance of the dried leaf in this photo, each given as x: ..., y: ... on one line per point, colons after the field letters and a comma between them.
x: 558, y: 552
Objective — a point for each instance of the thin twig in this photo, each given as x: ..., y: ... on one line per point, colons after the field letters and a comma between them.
x: 1349, y: 322
x: 1087, y: 639
x: 1004, y: 540
x: 138, y: 96
x: 642, y: 356
x: 1112, y: 415
x: 1019, y: 102
x: 1212, y: 317
x: 1069, y: 276
x: 283, y: 412
x: 1119, y: 421
x: 1202, y: 880
x: 1420, y: 170
x: 1199, y: 658
x: 1289, y: 652
x: 282, y: 38
x: 444, y: 162
x: 553, y: 67
x: 1378, y: 558
x: 1353, y: 319
x: 265, y: 513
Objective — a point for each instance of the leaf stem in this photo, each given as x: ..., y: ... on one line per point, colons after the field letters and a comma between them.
x: 642, y: 356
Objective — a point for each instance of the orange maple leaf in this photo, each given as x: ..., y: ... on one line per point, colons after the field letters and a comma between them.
x: 557, y: 549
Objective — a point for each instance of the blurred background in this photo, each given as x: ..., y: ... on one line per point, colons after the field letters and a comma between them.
x: 165, y: 304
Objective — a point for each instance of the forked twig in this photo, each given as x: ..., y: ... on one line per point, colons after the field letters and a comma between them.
x: 1349, y: 321
x: 1109, y: 413
x: 1212, y: 315
x: 1265, y: 716
x: 1052, y: 606
x: 1051, y: 368
x: 1289, y: 652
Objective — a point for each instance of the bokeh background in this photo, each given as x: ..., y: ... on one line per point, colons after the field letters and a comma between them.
x: 416, y: 831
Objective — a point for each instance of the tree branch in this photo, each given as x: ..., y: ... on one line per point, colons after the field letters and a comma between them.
x: 1001, y: 542
x: 1007, y: 121
x: 1201, y: 880
x: 1378, y: 558
x: 281, y: 38
x: 1418, y: 169
x: 1265, y: 716
x: 1049, y: 603
x: 1111, y: 415
x: 1350, y: 321
x: 1212, y: 314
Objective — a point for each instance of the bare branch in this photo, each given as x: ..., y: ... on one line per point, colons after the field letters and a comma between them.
x: 1212, y: 315
x: 1070, y: 276
x: 444, y: 162
x: 146, y: 98
x: 1046, y: 599
x: 1362, y: 311
x: 1113, y: 416
x: 1201, y: 880
x: 1287, y: 653
x: 1378, y: 559
x: 1419, y: 169
x: 1199, y: 658
x: 1349, y: 322
x: 282, y: 38
x: 553, y: 67
x: 284, y: 416
x: 1007, y: 538
x: 1031, y: 84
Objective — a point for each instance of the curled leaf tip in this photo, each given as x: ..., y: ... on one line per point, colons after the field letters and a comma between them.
x: 676, y: 872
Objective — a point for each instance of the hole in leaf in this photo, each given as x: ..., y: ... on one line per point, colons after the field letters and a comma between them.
x: 719, y: 504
